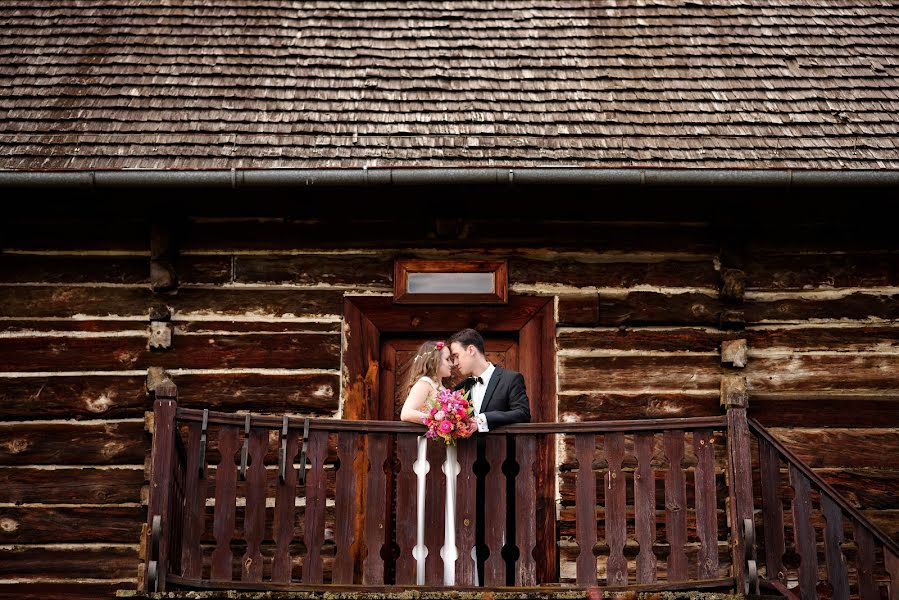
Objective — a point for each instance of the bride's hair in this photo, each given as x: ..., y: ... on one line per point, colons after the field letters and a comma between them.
x: 425, y: 364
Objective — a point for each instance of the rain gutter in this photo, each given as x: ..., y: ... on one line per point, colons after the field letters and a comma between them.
x: 365, y: 177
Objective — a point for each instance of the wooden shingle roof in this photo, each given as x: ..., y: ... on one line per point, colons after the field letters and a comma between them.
x: 177, y: 84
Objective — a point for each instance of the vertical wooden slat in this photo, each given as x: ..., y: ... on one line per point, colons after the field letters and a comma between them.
x: 315, y: 506
x: 225, y: 494
x: 735, y: 397
x: 466, y: 498
x: 161, y: 465
x: 804, y: 534
x: 285, y: 512
x: 375, y: 510
x: 676, y: 506
x: 585, y: 508
x: 772, y: 509
x: 706, y: 521
x: 495, y: 513
x: 645, y: 507
x: 406, y: 508
x: 525, y: 510
x: 616, y: 500
x: 867, y: 585
x: 254, y: 513
x: 195, y: 491
x: 435, y: 512
x: 891, y: 562
x: 344, y: 504
x: 837, y: 571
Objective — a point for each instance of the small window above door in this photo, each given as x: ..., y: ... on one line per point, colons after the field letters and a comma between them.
x: 450, y: 281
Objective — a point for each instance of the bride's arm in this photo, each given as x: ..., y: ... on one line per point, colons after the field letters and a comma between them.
x: 412, y: 412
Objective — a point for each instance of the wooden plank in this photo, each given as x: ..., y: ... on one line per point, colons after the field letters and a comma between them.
x: 804, y: 534
x: 585, y: 443
x: 350, y: 270
x: 112, y: 443
x: 616, y: 516
x: 406, y: 508
x: 812, y: 271
x: 214, y: 351
x: 73, y: 268
x: 196, y: 489
x: 837, y: 570
x: 667, y: 372
x: 71, y: 524
x: 76, y: 397
x: 435, y: 512
x: 495, y: 511
x: 525, y: 511
x: 655, y: 308
x: 225, y: 495
x: 254, y: 514
x: 579, y: 309
x: 664, y: 339
x: 70, y: 485
x: 867, y: 585
x: 285, y: 512
x: 375, y: 510
x: 796, y: 372
x: 891, y: 563
x: 706, y: 521
x: 163, y: 463
x: 67, y: 301
x: 739, y: 475
x: 772, y: 508
x: 675, y: 506
x: 604, y: 406
x: 345, y: 514
x: 837, y: 447
x: 466, y: 512
x: 581, y: 271
x: 73, y: 562
x: 644, y: 503
x: 313, y: 394
x: 813, y: 408
x: 315, y: 506
x: 855, y: 306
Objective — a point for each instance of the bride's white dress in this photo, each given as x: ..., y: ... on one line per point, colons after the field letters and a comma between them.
x: 450, y: 469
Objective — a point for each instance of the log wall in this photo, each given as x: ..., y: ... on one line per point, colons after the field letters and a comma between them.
x: 642, y: 309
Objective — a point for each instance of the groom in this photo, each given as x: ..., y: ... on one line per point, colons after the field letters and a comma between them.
x: 498, y: 394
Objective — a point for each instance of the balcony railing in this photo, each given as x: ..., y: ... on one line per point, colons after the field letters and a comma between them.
x: 266, y: 503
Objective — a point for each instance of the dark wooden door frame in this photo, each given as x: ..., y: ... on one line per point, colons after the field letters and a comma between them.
x: 531, y: 317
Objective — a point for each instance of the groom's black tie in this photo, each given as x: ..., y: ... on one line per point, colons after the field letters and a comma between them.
x: 478, y: 380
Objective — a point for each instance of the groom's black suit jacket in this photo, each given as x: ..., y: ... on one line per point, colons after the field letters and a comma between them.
x: 506, y: 400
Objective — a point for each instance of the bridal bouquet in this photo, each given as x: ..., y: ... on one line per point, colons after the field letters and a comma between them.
x: 449, y: 417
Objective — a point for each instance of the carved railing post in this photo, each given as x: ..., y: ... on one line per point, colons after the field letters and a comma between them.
x: 734, y: 398
x: 161, y: 465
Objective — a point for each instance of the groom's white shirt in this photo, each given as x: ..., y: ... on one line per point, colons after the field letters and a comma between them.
x: 477, y: 395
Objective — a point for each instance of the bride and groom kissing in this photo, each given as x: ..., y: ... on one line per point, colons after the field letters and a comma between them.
x: 498, y: 395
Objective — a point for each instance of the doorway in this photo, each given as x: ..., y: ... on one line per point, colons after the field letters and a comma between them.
x: 380, y: 338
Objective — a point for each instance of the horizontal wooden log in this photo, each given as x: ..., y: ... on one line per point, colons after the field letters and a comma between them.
x: 860, y: 337
x: 69, y: 590
x: 361, y: 270
x: 314, y: 394
x: 100, y: 232
x: 846, y: 372
x: 846, y: 448
x: 578, y: 309
x: 75, y: 397
x: 35, y: 443
x: 581, y: 271
x: 66, y: 301
x: 674, y: 339
x: 654, y: 308
x: 71, y: 486
x: 867, y: 489
x: 73, y: 268
x: 816, y: 409
x: 255, y: 326
x: 196, y: 351
x: 803, y: 271
x: 640, y: 373
x: 853, y: 306
x: 70, y: 525
x: 23, y: 562
x: 599, y: 406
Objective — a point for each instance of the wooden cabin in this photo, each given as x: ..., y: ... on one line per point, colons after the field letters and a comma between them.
x: 212, y: 214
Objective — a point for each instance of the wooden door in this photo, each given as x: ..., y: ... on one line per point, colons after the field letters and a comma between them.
x: 396, y: 355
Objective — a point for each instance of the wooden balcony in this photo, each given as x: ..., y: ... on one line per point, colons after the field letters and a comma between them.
x: 243, y: 502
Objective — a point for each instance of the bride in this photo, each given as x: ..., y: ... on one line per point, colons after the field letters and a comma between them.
x: 426, y: 372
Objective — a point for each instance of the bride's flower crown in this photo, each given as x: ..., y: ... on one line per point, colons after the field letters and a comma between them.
x: 437, y: 346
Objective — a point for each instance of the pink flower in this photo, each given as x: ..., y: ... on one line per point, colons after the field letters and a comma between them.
x: 446, y: 427
x: 439, y: 415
